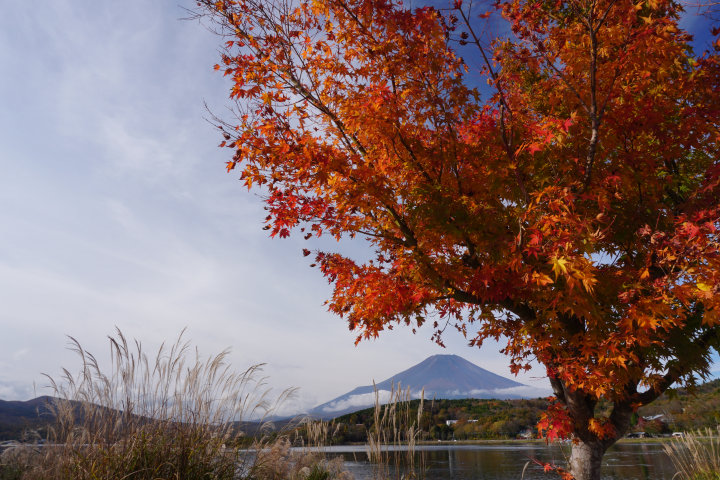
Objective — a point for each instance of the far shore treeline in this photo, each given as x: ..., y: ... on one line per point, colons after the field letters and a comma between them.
x: 466, y: 419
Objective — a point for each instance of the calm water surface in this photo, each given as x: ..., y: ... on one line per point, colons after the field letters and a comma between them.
x: 635, y: 461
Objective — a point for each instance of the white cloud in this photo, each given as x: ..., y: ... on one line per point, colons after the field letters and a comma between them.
x: 359, y: 401
x: 16, y: 390
x: 522, y: 391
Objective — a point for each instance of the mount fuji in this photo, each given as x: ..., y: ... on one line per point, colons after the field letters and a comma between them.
x: 441, y: 376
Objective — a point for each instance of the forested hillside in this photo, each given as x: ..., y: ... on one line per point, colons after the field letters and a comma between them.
x: 464, y: 419
x: 479, y: 419
x: 686, y: 411
x: 24, y: 420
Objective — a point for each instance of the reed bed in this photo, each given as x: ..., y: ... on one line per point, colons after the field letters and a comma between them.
x: 393, y: 437
x: 279, y: 462
x: 317, y: 433
x: 696, y: 456
x: 175, y: 415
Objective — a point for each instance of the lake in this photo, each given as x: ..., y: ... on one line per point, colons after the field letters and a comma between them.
x: 626, y: 461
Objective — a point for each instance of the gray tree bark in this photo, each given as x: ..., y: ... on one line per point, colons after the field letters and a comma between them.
x: 586, y: 460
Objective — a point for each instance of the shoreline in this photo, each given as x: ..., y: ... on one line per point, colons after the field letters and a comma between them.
x: 509, y: 441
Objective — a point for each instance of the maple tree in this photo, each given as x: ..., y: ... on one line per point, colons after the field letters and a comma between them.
x: 573, y: 211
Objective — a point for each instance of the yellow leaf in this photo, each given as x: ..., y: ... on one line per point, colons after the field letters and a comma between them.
x: 559, y: 266
x: 704, y: 287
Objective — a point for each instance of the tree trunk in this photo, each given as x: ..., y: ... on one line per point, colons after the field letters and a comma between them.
x: 586, y: 459
x: 587, y: 453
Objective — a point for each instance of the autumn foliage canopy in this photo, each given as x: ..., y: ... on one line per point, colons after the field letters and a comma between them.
x: 557, y: 187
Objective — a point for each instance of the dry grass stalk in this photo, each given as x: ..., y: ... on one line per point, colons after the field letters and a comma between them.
x: 318, y: 433
x: 394, y: 435
x: 279, y: 462
x: 172, y: 416
x: 16, y: 458
x: 175, y: 416
x: 696, y: 456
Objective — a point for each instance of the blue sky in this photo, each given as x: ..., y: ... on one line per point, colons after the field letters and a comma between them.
x: 117, y: 211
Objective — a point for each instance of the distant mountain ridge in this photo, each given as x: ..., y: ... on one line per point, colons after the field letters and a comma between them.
x: 18, y: 416
x: 441, y: 376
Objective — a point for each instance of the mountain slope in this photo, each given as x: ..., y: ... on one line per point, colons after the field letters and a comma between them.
x: 441, y: 376
x: 19, y: 416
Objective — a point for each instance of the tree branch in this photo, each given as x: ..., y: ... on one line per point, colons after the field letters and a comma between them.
x: 674, y: 371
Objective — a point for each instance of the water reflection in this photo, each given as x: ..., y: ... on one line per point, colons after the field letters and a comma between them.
x: 646, y: 461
